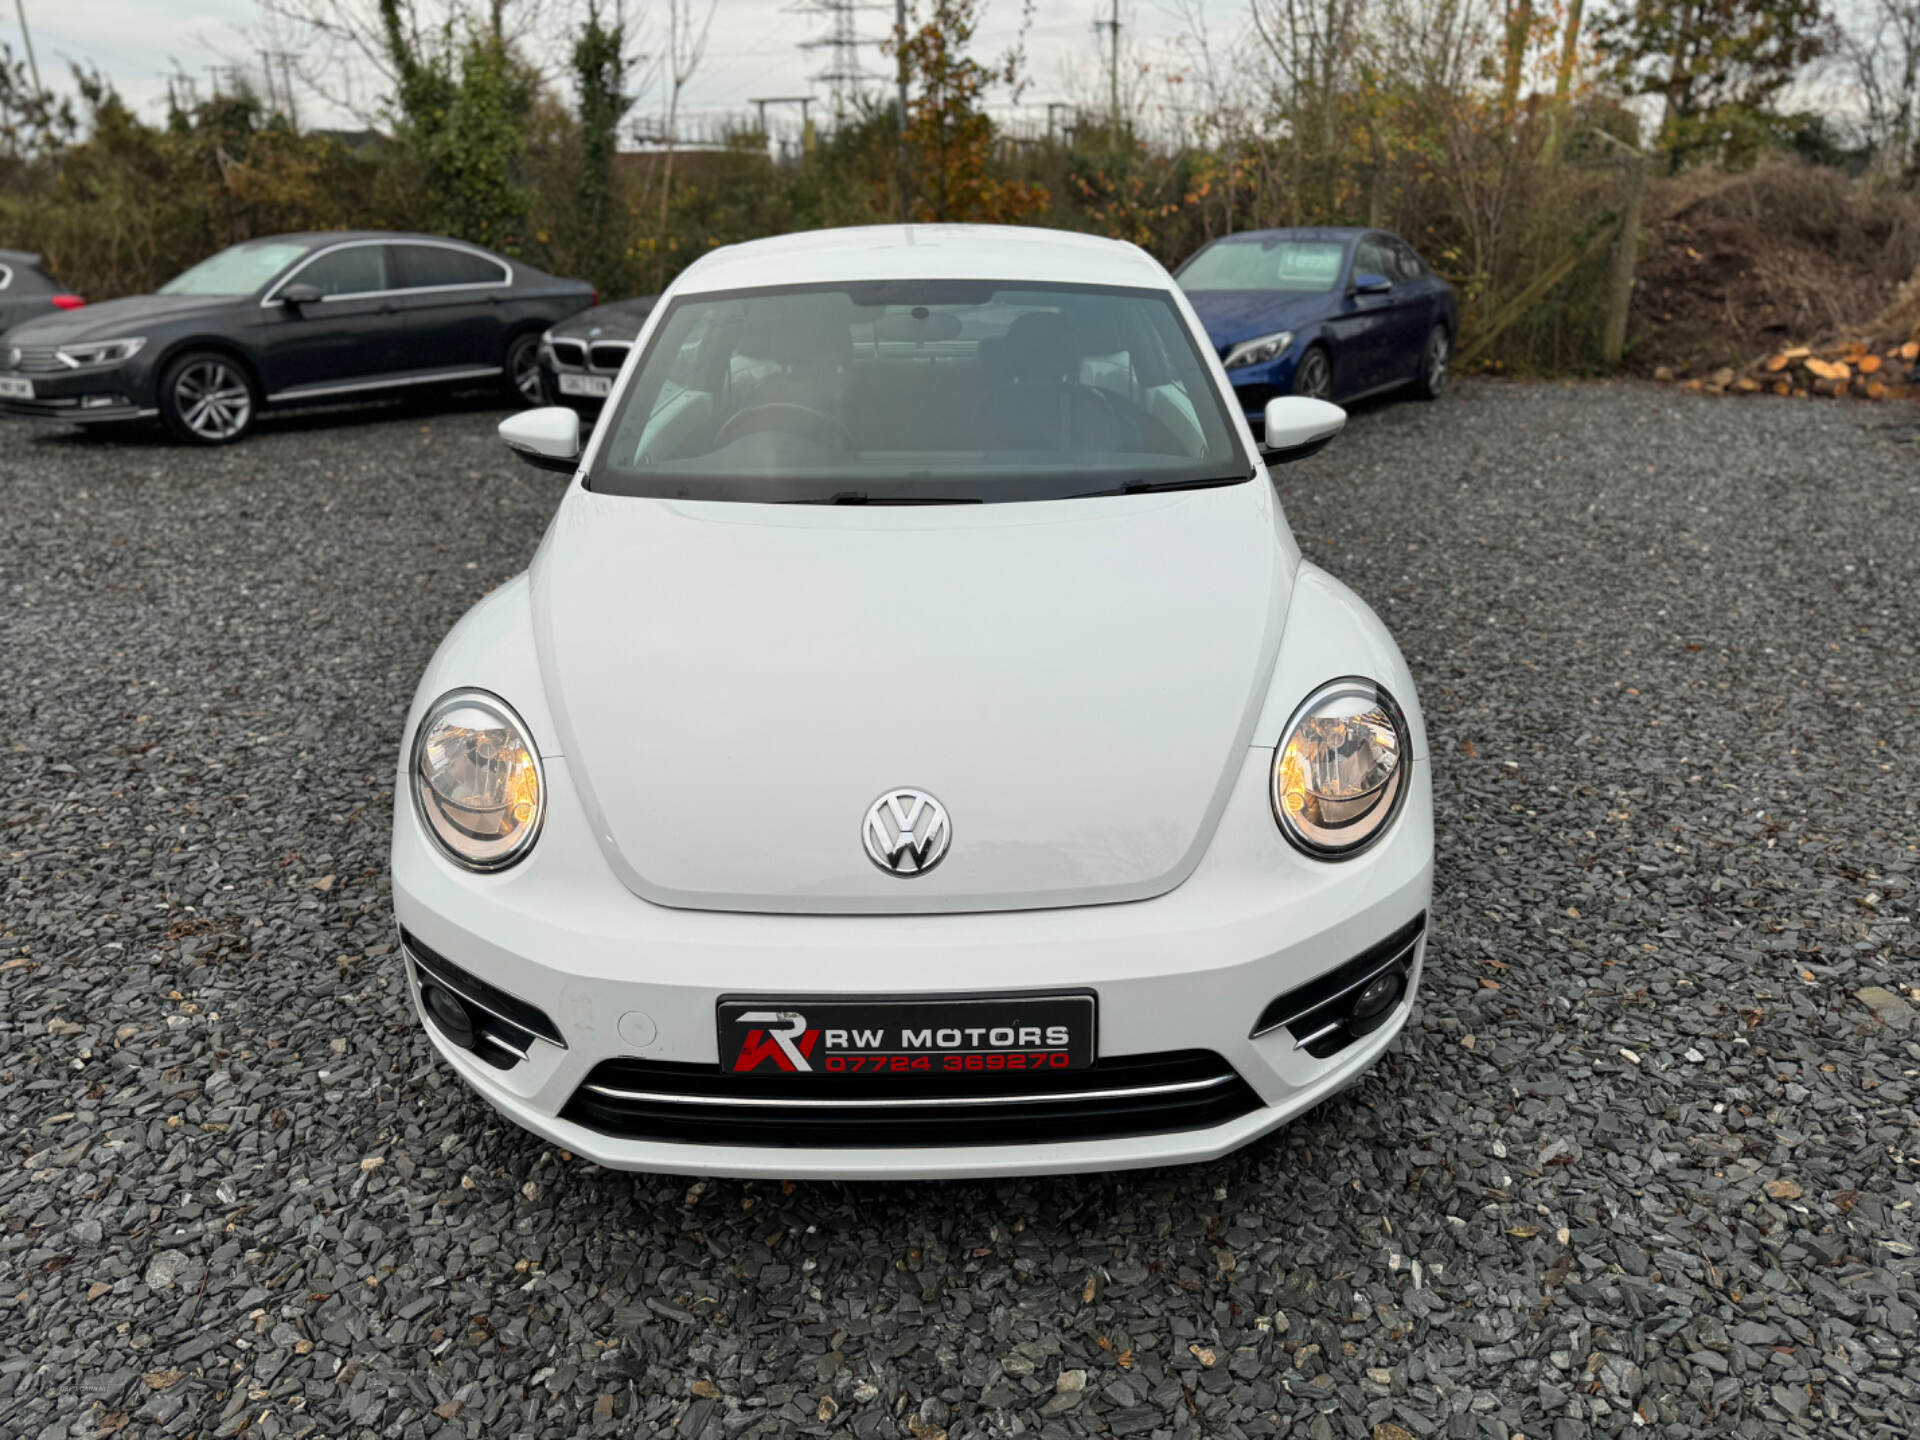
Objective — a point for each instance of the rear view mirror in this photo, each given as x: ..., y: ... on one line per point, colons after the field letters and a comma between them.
x: 1371, y: 284
x: 301, y: 295
x: 547, y: 439
x: 1298, y: 426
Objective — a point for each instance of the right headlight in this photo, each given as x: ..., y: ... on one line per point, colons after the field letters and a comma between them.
x: 1339, y: 772
x: 477, y: 782
x: 1258, y: 351
x: 99, y: 352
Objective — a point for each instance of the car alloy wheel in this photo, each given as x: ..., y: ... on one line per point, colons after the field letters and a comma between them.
x: 523, y: 370
x: 212, y: 399
x: 1313, y: 377
x: 1439, y: 355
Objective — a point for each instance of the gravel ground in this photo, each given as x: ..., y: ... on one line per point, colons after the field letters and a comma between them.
x: 1642, y: 1161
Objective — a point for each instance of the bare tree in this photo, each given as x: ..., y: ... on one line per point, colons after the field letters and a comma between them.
x: 341, y: 53
x: 687, y: 32
x: 1876, y: 44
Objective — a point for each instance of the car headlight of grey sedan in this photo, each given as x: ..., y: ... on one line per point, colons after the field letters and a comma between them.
x: 477, y: 781
x: 100, y: 352
x: 1259, y: 350
x: 1339, y: 772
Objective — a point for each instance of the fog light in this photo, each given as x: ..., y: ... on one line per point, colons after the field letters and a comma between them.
x: 1376, y: 1002
x: 449, y: 1014
x: 102, y: 402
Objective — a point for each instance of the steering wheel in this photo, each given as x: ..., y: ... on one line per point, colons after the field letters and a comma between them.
x: 776, y: 414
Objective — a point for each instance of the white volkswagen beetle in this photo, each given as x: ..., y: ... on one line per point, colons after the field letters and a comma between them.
x: 918, y: 746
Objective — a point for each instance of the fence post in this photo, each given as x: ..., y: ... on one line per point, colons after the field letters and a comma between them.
x: 1626, y: 251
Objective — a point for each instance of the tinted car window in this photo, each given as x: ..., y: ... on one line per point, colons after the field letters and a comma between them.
x: 355, y: 270
x: 1298, y: 266
x: 237, y: 270
x: 423, y: 266
x: 1407, y: 260
x: 917, y: 391
x: 1372, y: 257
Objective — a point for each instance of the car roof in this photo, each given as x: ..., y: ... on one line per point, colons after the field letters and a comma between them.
x: 26, y: 259
x: 1304, y: 232
x: 334, y: 237
x: 921, y: 252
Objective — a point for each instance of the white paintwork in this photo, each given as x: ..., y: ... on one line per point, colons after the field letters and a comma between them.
x: 1296, y: 421
x: 1092, y: 687
x: 1072, y: 679
x: 552, y: 431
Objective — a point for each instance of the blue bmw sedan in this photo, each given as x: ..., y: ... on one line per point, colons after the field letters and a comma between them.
x: 1339, y: 314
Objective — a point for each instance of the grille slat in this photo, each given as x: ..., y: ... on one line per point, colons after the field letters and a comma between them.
x: 1118, y: 1096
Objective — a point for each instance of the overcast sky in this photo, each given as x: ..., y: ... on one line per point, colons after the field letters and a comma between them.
x: 754, y: 49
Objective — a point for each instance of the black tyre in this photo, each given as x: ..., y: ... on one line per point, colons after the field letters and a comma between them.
x: 207, y: 398
x: 1313, y: 376
x: 1435, y: 361
x: 523, y: 370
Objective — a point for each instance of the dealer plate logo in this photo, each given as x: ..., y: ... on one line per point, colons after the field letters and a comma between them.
x: 907, y: 833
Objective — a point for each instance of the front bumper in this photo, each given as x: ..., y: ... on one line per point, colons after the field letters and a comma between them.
x: 1191, y: 970
x: 82, y: 397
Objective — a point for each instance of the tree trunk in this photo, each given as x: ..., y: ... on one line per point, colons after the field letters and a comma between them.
x: 1519, y: 27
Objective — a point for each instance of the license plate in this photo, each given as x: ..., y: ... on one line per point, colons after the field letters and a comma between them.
x: 987, y: 1034
x: 594, y: 385
x: 14, y: 389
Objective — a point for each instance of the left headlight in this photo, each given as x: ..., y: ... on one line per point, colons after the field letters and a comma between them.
x: 99, y: 352
x: 1259, y: 350
x: 1339, y: 773
x: 477, y: 781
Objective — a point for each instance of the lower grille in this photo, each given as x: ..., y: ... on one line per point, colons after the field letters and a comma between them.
x: 1318, y: 1013
x: 504, y: 1026
x: 570, y: 352
x: 1119, y: 1096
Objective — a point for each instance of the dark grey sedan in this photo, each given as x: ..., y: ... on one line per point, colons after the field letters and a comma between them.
x: 289, y: 320
x: 580, y: 356
x: 27, y: 291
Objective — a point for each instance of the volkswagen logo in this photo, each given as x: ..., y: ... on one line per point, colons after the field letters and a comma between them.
x: 907, y: 832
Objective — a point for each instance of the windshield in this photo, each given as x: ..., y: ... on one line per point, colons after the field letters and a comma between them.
x: 237, y: 270
x: 918, y: 392
x: 1303, y: 267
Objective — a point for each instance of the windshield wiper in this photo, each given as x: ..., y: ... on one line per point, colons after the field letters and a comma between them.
x: 860, y: 497
x: 1153, y: 487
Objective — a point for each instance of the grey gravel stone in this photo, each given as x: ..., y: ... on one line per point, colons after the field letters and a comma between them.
x: 1665, y: 647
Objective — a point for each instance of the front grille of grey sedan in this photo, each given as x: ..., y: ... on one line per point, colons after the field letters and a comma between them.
x: 570, y: 352
x: 609, y: 354
x: 34, y: 359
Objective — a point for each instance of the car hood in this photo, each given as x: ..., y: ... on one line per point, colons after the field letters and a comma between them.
x: 1235, y: 315
x: 616, y: 320
x: 1075, y: 681
x: 112, y: 319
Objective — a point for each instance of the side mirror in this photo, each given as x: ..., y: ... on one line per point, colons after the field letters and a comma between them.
x: 301, y: 295
x: 1299, y: 426
x: 1371, y: 284
x: 547, y: 439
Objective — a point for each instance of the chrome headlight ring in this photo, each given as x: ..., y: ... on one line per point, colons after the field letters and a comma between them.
x: 1340, y: 772
x: 479, y: 787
